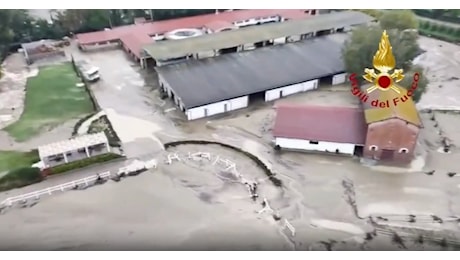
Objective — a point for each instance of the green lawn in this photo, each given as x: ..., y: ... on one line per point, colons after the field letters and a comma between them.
x: 52, y: 97
x: 10, y: 160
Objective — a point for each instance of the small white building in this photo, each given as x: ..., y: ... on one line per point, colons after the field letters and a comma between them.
x: 340, y: 130
x: 202, y: 88
x: 73, y: 149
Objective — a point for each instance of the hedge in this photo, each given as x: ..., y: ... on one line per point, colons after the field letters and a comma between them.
x: 429, y: 14
x: 96, y: 106
x: 80, y: 122
x: 440, y: 35
x: 20, y: 177
x: 112, y: 136
x: 439, y: 31
x: 84, y: 163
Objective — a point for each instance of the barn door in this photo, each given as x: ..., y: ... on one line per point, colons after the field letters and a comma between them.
x: 387, y: 154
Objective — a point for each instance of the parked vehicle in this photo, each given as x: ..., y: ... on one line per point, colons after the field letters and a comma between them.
x: 89, y: 71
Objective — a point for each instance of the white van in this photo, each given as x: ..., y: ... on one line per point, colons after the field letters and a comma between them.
x: 90, y: 72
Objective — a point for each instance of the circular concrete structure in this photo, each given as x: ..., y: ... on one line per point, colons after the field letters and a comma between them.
x: 184, y: 33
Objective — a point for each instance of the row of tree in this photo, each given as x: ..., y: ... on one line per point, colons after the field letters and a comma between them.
x: 446, y: 15
x: 18, y: 26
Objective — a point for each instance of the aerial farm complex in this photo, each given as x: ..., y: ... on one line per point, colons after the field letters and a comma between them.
x: 220, y: 63
x: 240, y: 128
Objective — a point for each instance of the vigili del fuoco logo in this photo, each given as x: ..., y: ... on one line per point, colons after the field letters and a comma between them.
x: 383, y: 79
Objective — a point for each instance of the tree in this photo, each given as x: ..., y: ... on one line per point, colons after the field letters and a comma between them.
x: 422, y: 83
x: 359, y: 50
x: 398, y: 19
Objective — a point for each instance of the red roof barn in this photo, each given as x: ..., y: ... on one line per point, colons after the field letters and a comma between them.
x: 320, y: 128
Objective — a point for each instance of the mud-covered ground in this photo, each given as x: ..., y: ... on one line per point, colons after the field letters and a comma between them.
x: 197, y: 205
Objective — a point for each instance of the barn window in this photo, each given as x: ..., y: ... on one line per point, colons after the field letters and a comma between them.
x: 373, y: 148
x: 403, y: 150
x: 313, y: 142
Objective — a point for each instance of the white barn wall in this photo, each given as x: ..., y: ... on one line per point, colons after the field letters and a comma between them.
x: 339, y: 79
x: 299, y: 144
x: 217, y: 108
x: 205, y: 54
x: 293, y: 38
x: 281, y: 40
x: 291, y: 89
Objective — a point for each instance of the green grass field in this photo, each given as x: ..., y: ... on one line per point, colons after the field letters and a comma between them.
x: 52, y: 98
x: 10, y: 160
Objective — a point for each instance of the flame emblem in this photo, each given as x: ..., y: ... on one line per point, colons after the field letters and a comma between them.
x: 384, y: 62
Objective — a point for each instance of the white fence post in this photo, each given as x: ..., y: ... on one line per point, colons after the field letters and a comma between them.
x: 289, y: 226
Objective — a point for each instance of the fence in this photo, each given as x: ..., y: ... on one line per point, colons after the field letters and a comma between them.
x: 58, y: 188
x: 289, y: 226
x: 96, y: 106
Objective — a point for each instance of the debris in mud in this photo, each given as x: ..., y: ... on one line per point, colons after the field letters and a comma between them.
x: 116, y: 178
x: 451, y: 174
x: 430, y: 172
x: 369, y: 236
x: 99, y: 180
x: 398, y: 240
x: 420, y: 239
x: 350, y: 195
x: 382, y: 218
x: 206, y: 197
x: 437, y: 219
x: 277, y: 216
x: 443, y: 243
x: 328, y: 244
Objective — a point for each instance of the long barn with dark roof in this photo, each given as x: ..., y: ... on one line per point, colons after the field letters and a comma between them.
x: 211, y: 86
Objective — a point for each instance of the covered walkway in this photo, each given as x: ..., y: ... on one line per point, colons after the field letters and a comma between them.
x: 135, y: 35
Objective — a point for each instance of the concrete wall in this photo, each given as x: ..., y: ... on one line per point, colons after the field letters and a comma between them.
x: 217, y: 108
x: 299, y: 144
x: 291, y: 89
x: 44, y: 55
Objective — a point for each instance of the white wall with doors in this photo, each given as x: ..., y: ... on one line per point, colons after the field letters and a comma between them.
x: 217, y: 108
x: 339, y: 78
x: 291, y: 89
x: 320, y: 146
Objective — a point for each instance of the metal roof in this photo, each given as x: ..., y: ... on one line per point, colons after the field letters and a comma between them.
x: 72, y: 144
x: 205, y: 81
x: 403, y: 110
x: 320, y: 123
x: 161, y: 27
x: 227, y: 39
